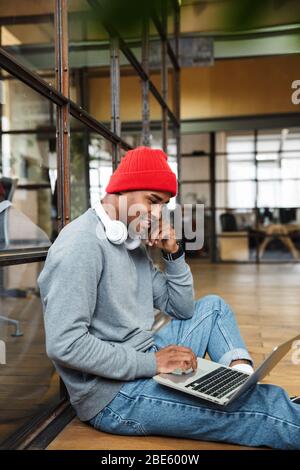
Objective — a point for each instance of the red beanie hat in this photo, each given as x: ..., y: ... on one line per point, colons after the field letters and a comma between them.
x: 143, y: 168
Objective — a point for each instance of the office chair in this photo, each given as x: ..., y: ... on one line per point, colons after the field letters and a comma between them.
x: 228, y: 222
x: 287, y: 215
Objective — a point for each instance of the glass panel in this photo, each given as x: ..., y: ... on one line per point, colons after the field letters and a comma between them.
x: 291, y: 154
x: 91, y: 167
x: 28, y: 164
x: 230, y: 220
x: 155, y: 52
x: 132, y: 136
x: 29, y: 169
x: 279, y: 194
x: 291, y: 141
x: 221, y: 167
x: 100, y: 166
x: 234, y: 169
x: 240, y: 156
x: 18, y: 232
x: 236, y: 194
x: 234, y: 246
x: 130, y: 95
x: 28, y: 34
x: 236, y: 235
x: 98, y: 100
x: 195, y: 143
x: 240, y: 143
x: 267, y: 156
x: 278, y: 198
x: 89, y: 59
x: 268, y: 141
x: 156, y: 78
x: 79, y: 166
x: 172, y: 160
x: 170, y: 23
x: 156, y: 127
x: 204, y: 250
x: 195, y: 168
x: 241, y: 170
x: 28, y: 382
x: 155, y: 57
x: 268, y: 170
x: 290, y: 168
x: 23, y: 108
x: 221, y: 141
x: 193, y: 193
x: 171, y: 89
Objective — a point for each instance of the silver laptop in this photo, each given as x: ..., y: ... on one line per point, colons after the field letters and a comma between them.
x: 219, y: 384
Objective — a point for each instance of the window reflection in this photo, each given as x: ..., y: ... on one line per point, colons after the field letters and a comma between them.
x: 28, y: 381
x: 28, y: 164
x: 18, y: 231
x: 27, y: 33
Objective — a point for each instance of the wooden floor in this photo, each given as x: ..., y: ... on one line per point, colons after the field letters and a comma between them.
x: 266, y: 300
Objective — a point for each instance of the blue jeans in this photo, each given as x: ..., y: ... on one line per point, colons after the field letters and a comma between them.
x: 262, y: 416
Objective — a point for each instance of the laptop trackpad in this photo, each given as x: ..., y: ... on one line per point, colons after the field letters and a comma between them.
x: 204, y: 367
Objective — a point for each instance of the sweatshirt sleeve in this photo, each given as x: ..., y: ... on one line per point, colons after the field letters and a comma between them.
x: 173, y: 289
x: 68, y: 285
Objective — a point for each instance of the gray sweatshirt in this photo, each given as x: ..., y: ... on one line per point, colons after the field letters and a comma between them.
x: 98, y: 302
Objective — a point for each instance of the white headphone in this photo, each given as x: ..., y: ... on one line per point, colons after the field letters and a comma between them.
x: 115, y: 230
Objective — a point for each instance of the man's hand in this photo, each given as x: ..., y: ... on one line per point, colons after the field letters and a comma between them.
x: 164, y: 237
x: 173, y: 357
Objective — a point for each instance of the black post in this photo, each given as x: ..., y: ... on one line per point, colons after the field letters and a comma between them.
x: 212, y: 176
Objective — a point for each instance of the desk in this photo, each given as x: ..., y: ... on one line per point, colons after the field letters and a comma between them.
x: 233, y: 246
x: 283, y: 233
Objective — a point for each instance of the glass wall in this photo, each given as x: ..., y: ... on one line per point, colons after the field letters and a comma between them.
x: 260, y: 198
x: 255, y: 187
x: 91, y: 167
x: 28, y: 162
x: 29, y: 385
x: 196, y: 184
x: 27, y: 34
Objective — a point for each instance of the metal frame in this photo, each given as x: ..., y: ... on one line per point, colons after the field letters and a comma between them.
x: 65, y: 107
x: 62, y: 113
x: 115, y: 97
x: 236, y: 123
x: 41, y: 426
x: 212, y: 175
x: 145, y: 84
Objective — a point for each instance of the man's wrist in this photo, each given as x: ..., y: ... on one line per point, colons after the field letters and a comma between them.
x: 175, y: 254
x: 175, y: 249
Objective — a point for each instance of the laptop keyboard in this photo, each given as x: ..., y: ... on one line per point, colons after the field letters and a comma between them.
x: 219, y: 382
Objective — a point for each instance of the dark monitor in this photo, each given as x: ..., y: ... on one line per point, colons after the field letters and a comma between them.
x: 287, y: 215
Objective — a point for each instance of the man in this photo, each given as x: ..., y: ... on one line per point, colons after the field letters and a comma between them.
x: 98, y: 299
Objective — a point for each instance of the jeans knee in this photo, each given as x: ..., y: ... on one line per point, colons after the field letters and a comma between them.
x: 212, y: 303
x: 215, y: 301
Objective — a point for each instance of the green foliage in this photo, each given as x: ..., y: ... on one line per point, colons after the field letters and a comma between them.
x: 127, y: 15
